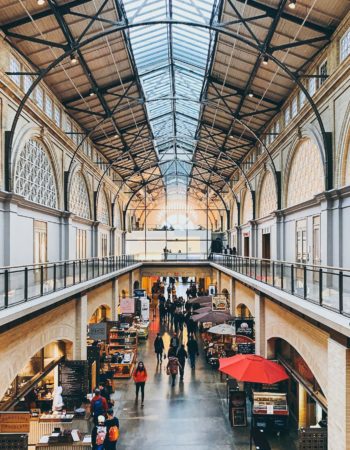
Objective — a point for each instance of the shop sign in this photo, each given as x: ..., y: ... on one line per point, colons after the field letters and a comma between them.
x: 144, y: 308
x: 139, y: 292
x: 16, y: 422
x: 220, y: 303
x: 98, y: 331
x: 245, y: 327
x: 127, y: 306
x: 212, y: 289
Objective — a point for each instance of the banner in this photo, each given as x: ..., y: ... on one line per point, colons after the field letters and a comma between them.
x: 220, y: 303
x: 127, y: 306
x: 144, y: 308
x: 245, y: 327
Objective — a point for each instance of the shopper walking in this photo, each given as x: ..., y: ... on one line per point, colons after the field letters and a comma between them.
x: 99, y: 406
x: 182, y: 356
x: 159, y: 348
x: 140, y: 378
x: 192, y: 347
x: 112, y: 432
x: 99, y: 433
x: 174, y: 341
x: 173, y: 368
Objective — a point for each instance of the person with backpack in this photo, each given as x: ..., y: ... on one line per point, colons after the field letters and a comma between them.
x: 99, y: 433
x: 99, y: 406
x: 173, y: 368
x: 140, y: 378
x: 112, y: 434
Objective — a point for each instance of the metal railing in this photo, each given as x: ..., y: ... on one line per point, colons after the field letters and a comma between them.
x: 325, y: 286
x: 21, y: 284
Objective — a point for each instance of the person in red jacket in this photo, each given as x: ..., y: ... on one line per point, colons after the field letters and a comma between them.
x: 140, y: 378
x: 99, y: 406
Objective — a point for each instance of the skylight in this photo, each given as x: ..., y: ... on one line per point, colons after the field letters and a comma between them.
x: 172, y: 62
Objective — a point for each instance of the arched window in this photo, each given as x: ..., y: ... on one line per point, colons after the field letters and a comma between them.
x: 306, y: 176
x: 234, y: 215
x: 34, y: 176
x: 267, y: 195
x: 247, y: 207
x: 102, y: 209
x: 79, y: 202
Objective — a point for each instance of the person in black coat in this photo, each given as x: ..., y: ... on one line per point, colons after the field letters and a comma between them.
x: 159, y: 348
x: 182, y: 356
x: 192, y: 347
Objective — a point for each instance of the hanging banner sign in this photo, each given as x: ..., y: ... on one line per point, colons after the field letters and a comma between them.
x: 245, y: 327
x: 220, y: 303
x: 127, y: 306
x: 144, y: 308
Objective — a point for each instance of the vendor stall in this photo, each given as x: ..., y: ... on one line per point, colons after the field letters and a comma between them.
x: 65, y: 440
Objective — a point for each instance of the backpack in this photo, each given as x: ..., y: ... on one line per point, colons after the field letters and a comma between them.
x: 101, y: 435
x: 98, y: 407
x: 113, y: 434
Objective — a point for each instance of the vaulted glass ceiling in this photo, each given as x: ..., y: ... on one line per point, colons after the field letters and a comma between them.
x: 172, y: 61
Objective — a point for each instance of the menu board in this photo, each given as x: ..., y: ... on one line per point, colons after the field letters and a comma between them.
x: 239, y: 418
x: 73, y: 377
x: 245, y: 349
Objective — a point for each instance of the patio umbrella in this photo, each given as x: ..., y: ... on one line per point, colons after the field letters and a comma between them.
x: 199, y: 300
x: 253, y: 369
x: 202, y: 310
x: 213, y: 316
x: 223, y: 328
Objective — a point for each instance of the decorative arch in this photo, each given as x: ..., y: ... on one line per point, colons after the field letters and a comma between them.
x: 34, y: 175
x: 103, y: 211
x: 304, y: 173
x: 100, y: 313
x: 267, y: 196
x: 79, y: 195
x: 247, y: 208
x: 242, y: 310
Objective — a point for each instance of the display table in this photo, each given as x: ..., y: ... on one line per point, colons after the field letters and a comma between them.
x: 39, y: 427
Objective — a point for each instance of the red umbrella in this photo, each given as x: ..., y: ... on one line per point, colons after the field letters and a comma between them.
x: 253, y: 369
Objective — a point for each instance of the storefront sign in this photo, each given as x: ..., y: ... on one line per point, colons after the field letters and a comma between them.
x: 139, y: 292
x: 16, y: 422
x: 98, y: 331
x: 212, y: 289
x: 73, y: 377
x: 127, y: 306
x: 245, y: 327
x: 144, y: 308
x: 220, y: 303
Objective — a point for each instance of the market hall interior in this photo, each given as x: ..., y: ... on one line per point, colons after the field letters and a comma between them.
x: 185, y: 148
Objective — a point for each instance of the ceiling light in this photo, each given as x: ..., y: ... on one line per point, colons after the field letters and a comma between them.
x: 265, y: 60
x: 41, y: 2
x: 73, y: 59
x: 292, y: 4
x: 91, y: 93
x: 250, y: 94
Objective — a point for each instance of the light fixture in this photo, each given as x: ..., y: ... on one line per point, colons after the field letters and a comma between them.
x: 41, y: 2
x: 91, y: 93
x: 292, y: 4
x: 265, y: 60
x: 73, y: 58
x: 250, y: 94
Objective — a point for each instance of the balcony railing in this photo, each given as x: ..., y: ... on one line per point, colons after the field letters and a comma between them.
x: 22, y: 284
x: 325, y: 286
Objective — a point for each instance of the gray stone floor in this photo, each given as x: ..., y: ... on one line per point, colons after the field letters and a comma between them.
x: 193, y: 415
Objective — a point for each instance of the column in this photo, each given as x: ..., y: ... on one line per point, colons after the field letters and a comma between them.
x: 218, y: 281
x: 338, y: 396
x: 131, y: 284
x: 233, y: 296
x: 81, y: 322
x: 303, y: 421
x: 115, y: 299
x: 278, y: 252
x: 259, y: 313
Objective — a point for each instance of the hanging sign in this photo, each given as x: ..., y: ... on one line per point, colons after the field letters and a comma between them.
x: 127, y: 305
x: 14, y: 422
x: 98, y: 331
x: 144, y: 308
x: 220, y: 303
x: 212, y: 289
x: 245, y: 327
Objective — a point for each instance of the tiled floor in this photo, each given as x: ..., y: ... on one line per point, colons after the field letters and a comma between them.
x: 193, y: 415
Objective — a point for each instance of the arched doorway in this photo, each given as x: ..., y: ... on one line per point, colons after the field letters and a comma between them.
x: 34, y: 384
x: 243, y: 311
x: 101, y: 314
x: 307, y: 402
